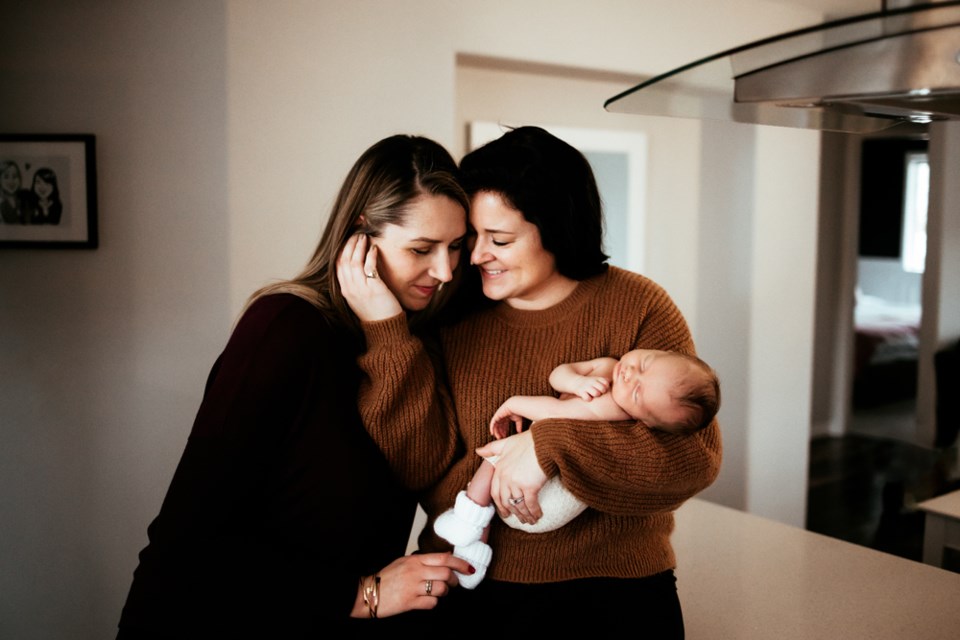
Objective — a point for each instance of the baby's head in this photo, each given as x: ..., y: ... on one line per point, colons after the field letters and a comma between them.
x: 666, y: 390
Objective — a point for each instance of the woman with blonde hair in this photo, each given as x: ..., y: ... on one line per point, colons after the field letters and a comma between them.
x: 283, y: 518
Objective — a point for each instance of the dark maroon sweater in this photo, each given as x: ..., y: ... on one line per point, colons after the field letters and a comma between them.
x: 281, y: 500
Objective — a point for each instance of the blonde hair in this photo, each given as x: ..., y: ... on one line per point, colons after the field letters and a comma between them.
x: 380, y: 187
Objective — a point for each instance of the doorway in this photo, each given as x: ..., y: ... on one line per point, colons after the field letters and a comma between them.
x: 894, y: 190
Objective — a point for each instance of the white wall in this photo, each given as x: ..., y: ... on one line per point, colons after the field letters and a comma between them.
x: 755, y: 293
x: 223, y: 129
x: 104, y: 353
x: 885, y: 278
x: 781, y: 323
x: 836, y: 279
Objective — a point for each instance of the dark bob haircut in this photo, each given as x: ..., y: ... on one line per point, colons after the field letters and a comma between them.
x: 552, y: 185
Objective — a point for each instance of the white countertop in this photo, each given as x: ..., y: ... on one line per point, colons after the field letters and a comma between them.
x: 947, y: 505
x: 743, y: 577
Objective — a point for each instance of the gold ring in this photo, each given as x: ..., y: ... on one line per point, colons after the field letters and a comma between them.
x: 429, y: 587
x: 371, y: 274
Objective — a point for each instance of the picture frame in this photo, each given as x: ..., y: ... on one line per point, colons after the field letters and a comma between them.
x: 48, y: 191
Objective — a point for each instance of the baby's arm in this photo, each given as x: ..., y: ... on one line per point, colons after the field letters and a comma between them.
x: 514, y: 410
x: 478, y: 489
x: 586, y: 380
x: 542, y: 407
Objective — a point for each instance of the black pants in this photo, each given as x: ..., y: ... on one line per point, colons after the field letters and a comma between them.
x: 644, y: 607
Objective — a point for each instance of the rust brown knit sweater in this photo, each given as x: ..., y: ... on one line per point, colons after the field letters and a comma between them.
x: 631, y: 477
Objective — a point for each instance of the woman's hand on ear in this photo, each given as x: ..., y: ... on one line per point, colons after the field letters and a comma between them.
x: 361, y: 284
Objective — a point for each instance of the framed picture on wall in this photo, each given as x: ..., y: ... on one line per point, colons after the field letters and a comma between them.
x: 48, y: 191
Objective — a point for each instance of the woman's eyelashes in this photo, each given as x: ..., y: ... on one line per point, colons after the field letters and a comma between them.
x: 425, y: 251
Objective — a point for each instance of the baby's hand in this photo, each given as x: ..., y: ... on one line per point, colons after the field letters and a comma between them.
x: 502, y: 419
x: 590, y: 387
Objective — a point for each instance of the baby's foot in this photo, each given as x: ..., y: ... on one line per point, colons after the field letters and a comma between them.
x: 465, y: 522
x: 478, y: 554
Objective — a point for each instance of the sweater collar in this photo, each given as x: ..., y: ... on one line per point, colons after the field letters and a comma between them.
x: 585, y: 291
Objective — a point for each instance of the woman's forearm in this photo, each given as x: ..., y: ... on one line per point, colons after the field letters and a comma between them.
x: 404, y: 406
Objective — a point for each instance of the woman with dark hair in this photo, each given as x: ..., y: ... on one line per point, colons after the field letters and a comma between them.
x: 283, y: 518
x: 46, y: 197
x: 548, y: 297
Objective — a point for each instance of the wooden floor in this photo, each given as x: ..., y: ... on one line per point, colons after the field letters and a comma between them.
x: 864, y: 487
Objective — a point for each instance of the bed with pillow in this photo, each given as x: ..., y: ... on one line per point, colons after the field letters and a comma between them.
x: 886, y: 350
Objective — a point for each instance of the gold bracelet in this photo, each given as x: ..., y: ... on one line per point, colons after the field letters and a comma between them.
x: 367, y: 592
x: 376, y: 595
x: 364, y: 592
x: 371, y: 594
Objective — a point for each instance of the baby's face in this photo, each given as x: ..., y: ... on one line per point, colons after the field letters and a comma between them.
x: 643, y: 385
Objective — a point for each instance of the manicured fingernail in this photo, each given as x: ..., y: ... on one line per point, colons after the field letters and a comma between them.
x: 472, y: 570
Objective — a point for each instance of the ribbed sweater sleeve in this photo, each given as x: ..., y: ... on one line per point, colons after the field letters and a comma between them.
x: 404, y: 408
x: 646, y: 471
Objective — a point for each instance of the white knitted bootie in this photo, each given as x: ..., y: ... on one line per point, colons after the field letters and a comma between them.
x: 465, y: 522
x: 478, y: 554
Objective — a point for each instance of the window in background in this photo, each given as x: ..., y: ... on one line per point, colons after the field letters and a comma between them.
x: 883, y: 194
x: 915, y: 197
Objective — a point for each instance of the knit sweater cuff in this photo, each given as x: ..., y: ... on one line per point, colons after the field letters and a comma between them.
x: 547, y: 443
x: 386, y: 332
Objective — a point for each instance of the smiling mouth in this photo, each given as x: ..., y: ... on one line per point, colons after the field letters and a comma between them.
x: 492, y: 272
x: 425, y: 288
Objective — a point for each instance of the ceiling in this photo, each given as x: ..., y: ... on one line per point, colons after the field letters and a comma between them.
x: 846, y: 8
